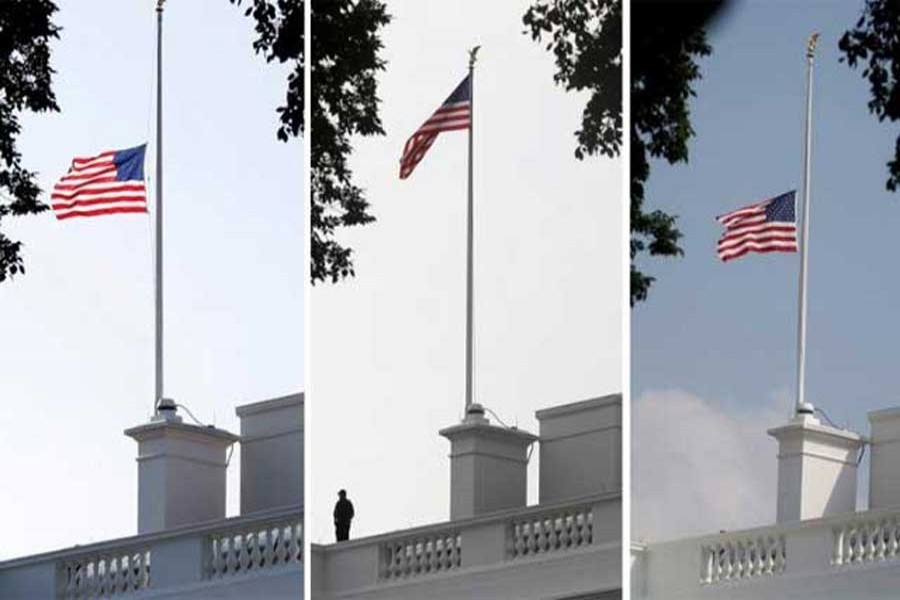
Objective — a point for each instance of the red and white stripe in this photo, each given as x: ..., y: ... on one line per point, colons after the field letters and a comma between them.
x: 449, y: 117
x: 91, y: 189
x: 748, y: 230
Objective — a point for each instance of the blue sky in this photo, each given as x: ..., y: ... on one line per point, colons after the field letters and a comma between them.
x: 76, y: 362
x: 726, y: 333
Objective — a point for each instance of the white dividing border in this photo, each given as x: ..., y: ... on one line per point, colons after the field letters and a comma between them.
x: 307, y: 291
x: 626, y: 299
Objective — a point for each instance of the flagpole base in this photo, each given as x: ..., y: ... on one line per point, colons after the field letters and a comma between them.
x: 805, y: 408
x: 166, y: 410
x: 475, y: 414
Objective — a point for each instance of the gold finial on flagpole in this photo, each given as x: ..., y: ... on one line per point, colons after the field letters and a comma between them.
x: 473, y: 54
x: 811, y: 45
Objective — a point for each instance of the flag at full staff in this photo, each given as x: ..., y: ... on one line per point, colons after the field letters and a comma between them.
x: 454, y: 114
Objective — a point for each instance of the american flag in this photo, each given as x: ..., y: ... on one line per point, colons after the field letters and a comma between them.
x: 767, y: 226
x: 455, y: 113
x: 109, y: 183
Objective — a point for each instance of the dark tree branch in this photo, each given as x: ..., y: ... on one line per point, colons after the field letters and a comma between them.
x: 346, y: 48
x: 26, y: 31
x: 874, y: 44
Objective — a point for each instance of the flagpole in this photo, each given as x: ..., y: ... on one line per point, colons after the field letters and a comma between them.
x: 470, y: 238
x: 802, y: 406
x: 159, y: 211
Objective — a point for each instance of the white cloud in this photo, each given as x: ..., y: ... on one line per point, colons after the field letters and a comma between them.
x: 700, y: 466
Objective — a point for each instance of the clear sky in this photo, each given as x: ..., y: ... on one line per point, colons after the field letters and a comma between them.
x: 76, y: 358
x: 714, y: 349
x: 387, y: 348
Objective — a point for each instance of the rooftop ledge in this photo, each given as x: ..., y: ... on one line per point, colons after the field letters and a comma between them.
x: 528, y: 543
x: 500, y: 515
x: 263, y: 544
x: 813, y: 550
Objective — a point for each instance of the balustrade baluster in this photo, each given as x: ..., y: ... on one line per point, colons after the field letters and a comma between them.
x: 590, y: 526
x: 243, y: 547
x: 231, y: 559
x: 888, y: 530
x: 762, y: 561
x: 129, y: 572
x: 781, y: 554
x: 729, y: 560
x: 284, y: 545
x: 748, y: 559
x: 872, y: 541
x: 405, y: 560
x: 564, y: 537
x: 426, y: 555
x: 837, y: 546
x: 144, y: 579
x: 255, y: 552
x: 93, y: 579
x: 297, y: 543
x: 440, y: 549
x: 540, y: 537
x: 418, y: 552
x: 553, y: 536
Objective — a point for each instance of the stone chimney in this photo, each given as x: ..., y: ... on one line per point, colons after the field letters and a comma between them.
x: 581, y: 448
x: 817, y: 467
x: 181, y: 471
x: 884, y: 470
x: 488, y: 465
x: 271, y: 453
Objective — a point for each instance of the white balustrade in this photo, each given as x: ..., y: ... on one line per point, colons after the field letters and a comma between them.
x: 742, y: 558
x: 866, y: 541
x: 555, y: 531
x: 257, y: 543
x: 430, y: 553
x: 104, y: 575
x: 253, y: 548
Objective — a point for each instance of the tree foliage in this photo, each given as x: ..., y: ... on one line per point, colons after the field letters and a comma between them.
x: 26, y: 30
x: 585, y: 37
x: 874, y: 43
x: 346, y: 46
x: 667, y: 40
x: 279, y: 30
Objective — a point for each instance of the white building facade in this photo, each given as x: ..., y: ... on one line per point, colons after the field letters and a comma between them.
x: 185, y: 546
x: 821, y: 547
x: 568, y: 546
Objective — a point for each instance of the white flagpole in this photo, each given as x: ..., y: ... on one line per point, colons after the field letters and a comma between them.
x: 159, y: 211
x: 470, y: 239
x: 802, y: 406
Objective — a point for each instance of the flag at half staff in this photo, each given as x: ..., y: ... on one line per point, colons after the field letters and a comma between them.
x: 111, y: 182
x: 455, y: 113
x: 767, y: 226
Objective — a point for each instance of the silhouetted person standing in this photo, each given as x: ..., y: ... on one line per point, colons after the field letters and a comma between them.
x: 343, y: 514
